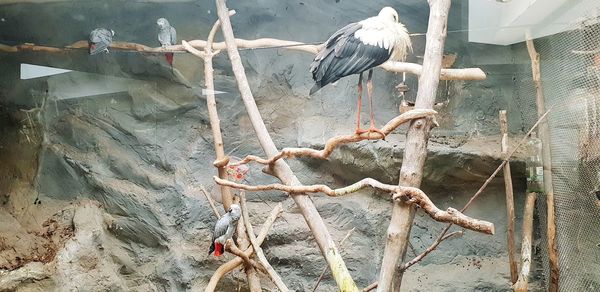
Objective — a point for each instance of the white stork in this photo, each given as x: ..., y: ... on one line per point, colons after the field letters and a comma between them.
x: 359, y: 47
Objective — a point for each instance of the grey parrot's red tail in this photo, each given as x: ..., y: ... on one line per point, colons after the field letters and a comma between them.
x: 169, y: 57
x: 217, y: 248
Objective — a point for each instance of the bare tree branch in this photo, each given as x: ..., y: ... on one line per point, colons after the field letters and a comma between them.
x: 257, y: 249
x: 415, y: 152
x: 234, y: 263
x: 280, y: 169
x: 493, y: 175
x: 332, y: 143
x: 407, y: 194
x: 391, y: 66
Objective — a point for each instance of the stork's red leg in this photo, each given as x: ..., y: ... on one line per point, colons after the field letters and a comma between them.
x: 359, y: 105
x: 370, y: 95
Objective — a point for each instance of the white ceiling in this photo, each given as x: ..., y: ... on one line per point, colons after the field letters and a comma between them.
x: 494, y: 22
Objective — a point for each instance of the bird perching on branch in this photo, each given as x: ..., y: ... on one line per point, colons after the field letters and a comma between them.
x: 167, y: 36
x: 359, y: 47
x: 224, y: 229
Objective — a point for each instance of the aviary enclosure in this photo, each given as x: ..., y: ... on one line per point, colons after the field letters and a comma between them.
x: 224, y: 146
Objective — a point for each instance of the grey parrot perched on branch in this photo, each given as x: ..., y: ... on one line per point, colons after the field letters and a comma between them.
x: 100, y: 40
x: 167, y: 36
x: 224, y: 229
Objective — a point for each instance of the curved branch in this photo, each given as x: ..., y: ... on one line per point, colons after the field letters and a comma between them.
x: 343, y: 139
x: 408, y: 194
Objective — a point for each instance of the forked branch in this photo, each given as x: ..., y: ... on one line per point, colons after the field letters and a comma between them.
x: 407, y: 194
x: 332, y: 143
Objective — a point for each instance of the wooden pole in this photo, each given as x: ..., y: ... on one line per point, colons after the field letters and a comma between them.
x: 415, y: 153
x: 280, y: 168
x: 544, y: 134
x: 521, y: 284
x: 510, y: 204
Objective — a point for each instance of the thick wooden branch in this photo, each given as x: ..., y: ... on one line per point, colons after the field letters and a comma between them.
x: 406, y: 194
x: 280, y: 169
x: 332, y: 143
x: 326, y: 267
x: 521, y: 284
x: 234, y: 263
x: 415, y: 153
x: 397, y: 67
x: 257, y: 249
x: 544, y: 134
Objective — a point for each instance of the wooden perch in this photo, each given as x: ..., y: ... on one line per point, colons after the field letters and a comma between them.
x: 343, y: 139
x: 521, y: 284
x: 510, y: 204
x: 257, y: 249
x: 234, y: 263
x: 280, y: 169
x: 391, y: 66
x: 544, y: 134
x: 405, y: 194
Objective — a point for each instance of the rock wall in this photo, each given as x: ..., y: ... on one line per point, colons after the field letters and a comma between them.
x: 139, y: 151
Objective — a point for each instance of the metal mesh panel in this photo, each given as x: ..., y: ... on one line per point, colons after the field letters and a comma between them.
x: 570, y: 69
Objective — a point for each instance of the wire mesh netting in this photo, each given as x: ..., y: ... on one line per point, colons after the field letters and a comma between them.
x: 570, y: 70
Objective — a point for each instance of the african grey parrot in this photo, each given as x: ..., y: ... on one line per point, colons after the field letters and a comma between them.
x: 224, y: 229
x: 167, y: 36
x: 100, y: 39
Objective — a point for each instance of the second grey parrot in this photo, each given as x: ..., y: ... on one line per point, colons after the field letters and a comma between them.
x: 167, y: 36
x: 224, y: 229
x: 100, y: 40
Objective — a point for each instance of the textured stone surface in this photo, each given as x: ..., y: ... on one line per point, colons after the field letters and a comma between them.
x: 140, y: 151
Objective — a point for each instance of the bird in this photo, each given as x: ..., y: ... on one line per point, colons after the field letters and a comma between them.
x: 224, y: 229
x: 167, y: 36
x: 358, y: 47
x: 100, y: 40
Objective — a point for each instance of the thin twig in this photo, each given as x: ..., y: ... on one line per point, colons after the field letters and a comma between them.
x: 234, y: 263
x: 408, y: 194
x: 257, y: 249
x: 429, y: 250
x: 326, y: 268
x: 343, y: 139
x: 210, y: 201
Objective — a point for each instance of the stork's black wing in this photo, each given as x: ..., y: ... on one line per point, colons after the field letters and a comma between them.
x: 343, y: 55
